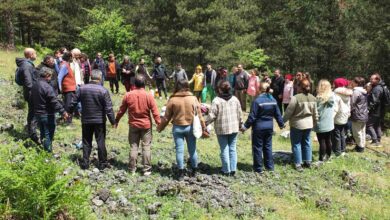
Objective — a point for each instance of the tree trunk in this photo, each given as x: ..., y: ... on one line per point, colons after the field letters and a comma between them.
x: 10, y: 29
x: 29, y: 34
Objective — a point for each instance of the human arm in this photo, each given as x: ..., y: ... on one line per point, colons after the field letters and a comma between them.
x: 252, y: 116
x: 154, y: 109
x: 61, y: 75
x: 290, y: 109
x: 374, y: 100
x: 278, y: 117
x: 108, y: 107
x: 122, y: 109
x: 167, y: 117
x: 213, y: 114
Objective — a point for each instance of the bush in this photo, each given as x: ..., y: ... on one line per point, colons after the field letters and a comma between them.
x: 32, y: 186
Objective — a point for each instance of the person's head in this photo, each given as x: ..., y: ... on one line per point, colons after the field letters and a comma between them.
x: 223, y: 71
x: 324, y: 90
x: 83, y: 57
x: 63, y: 50
x: 67, y: 56
x: 253, y: 72
x: 240, y: 68
x: 126, y: 59
x: 99, y: 55
x: 375, y: 79
x: 234, y: 69
x: 158, y: 60
x: 57, y: 54
x: 224, y: 87
x: 306, y: 75
x: 139, y: 81
x: 304, y: 86
x: 49, y: 60
x: 299, y: 76
x: 198, y: 69
x: 288, y: 78
x: 96, y: 75
x: 76, y: 53
x: 265, y: 75
x: 182, y: 86
x: 265, y: 87
x: 30, y: 53
x: 368, y: 87
x: 340, y: 82
x: 209, y: 67
x: 45, y: 73
x: 111, y: 57
x: 141, y: 61
x: 178, y: 66
x: 277, y: 72
x: 358, y: 82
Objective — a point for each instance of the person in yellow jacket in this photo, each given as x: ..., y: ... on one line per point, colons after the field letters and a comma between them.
x: 197, y: 79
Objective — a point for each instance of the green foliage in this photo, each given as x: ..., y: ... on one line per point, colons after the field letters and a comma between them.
x: 33, y: 187
x: 108, y: 33
x: 254, y: 59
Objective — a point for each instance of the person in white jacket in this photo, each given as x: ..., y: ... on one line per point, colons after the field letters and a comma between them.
x: 343, y: 102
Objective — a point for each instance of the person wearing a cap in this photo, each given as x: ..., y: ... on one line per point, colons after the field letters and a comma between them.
x: 288, y: 90
x: 197, y: 79
x: 343, y: 99
x: 45, y: 104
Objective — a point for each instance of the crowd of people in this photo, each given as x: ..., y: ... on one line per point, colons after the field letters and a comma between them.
x: 335, y: 111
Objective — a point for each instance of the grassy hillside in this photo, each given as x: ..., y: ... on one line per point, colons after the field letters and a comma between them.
x: 356, y: 186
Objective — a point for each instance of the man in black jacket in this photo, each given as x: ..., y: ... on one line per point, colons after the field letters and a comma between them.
x: 49, y: 62
x: 159, y: 74
x: 45, y: 104
x: 96, y: 105
x: 277, y: 85
x: 376, y: 109
x: 26, y: 69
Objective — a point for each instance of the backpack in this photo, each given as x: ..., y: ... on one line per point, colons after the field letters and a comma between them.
x: 18, y: 77
x: 386, y: 95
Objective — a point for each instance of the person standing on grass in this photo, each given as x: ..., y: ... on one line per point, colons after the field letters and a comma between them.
x: 221, y: 77
x: 288, y: 90
x: 179, y: 73
x: 343, y: 94
x: 128, y: 74
x: 253, y: 85
x: 140, y: 104
x: 99, y: 64
x: 96, y: 105
x: 326, y: 107
x: 376, y: 106
x: 263, y: 110
x: 142, y: 70
x: 198, y: 79
x: 85, y: 67
x: 49, y: 62
x: 277, y: 86
x: 209, y: 83
x: 113, y: 69
x: 45, y: 103
x: 241, y: 85
x: 226, y: 114
x: 26, y: 70
x: 359, y: 113
x: 159, y: 74
x: 303, y: 116
x: 232, y: 79
x: 180, y: 110
x: 67, y: 83
x: 298, y: 78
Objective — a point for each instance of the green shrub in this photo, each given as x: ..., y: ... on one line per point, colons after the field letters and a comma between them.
x: 32, y: 186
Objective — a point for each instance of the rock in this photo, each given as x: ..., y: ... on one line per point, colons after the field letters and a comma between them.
x: 168, y: 189
x: 112, y: 206
x: 323, y: 203
x: 96, y: 170
x: 174, y: 215
x: 104, y: 194
x: 6, y: 127
x: 67, y: 171
x: 123, y: 202
x: 204, y: 167
x: 97, y: 202
x: 153, y: 209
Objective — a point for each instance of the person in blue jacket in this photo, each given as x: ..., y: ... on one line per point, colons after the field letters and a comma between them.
x: 263, y: 110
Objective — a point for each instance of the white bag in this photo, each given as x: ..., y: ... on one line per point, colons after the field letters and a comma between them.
x: 196, y: 125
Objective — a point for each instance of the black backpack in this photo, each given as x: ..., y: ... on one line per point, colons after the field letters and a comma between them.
x: 386, y: 95
x: 18, y: 77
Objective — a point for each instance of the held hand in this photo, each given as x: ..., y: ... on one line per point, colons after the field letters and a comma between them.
x: 115, y: 126
x: 280, y: 96
x: 65, y: 116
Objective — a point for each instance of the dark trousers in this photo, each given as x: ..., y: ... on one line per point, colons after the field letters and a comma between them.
x: 339, y: 138
x: 262, y: 145
x: 47, y: 126
x: 325, y: 141
x: 280, y: 104
x: 88, y: 130
x: 374, y: 128
x: 160, y: 84
x: 68, y: 99
x: 31, y: 123
x: 285, y: 106
x: 114, y: 82
x: 86, y: 79
x: 241, y: 96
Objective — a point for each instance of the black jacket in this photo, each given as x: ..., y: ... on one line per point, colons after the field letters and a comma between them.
x: 159, y: 72
x: 95, y: 104
x: 54, y: 78
x: 27, y: 70
x: 44, y: 100
x: 277, y: 85
x: 131, y: 76
x: 376, y: 105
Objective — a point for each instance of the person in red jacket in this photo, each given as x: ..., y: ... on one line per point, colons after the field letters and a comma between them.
x: 139, y: 104
x: 67, y: 82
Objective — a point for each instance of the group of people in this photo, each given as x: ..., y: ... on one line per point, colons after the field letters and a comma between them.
x: 351, y: 105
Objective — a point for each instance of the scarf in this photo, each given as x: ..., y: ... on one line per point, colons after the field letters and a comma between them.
x: 225, y: 96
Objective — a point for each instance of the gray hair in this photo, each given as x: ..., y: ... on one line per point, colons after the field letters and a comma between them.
x: 96, y: 75
x: 45, y: 71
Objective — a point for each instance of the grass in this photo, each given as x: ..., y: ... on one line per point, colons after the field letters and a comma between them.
x: 284, y: 195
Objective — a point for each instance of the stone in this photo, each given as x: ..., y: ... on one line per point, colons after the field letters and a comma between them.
x: 104, y: 194
x: 96, y: 170
x: 123, y: 202
x: 112, y: 206
x: 97, y: 202
x: 153, y: 208
x: 323, y: 203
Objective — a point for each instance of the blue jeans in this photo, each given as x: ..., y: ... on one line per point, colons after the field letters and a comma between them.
x: 47, y: 126
x: 227, y: 144
x: 262, y: 144
x: 301, y: 145
x: 179, y: 134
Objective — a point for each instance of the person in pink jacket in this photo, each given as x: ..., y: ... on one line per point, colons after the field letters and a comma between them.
x: 288, y: 90
x: 253, y: 85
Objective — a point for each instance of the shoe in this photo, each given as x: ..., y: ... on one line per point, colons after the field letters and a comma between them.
x: 298, y: 168
x: 233, y: 173
x: 194, y: 172
x: 375, y: 144
x: 261, y: 173
x: 180, y: 175
x: 147, y: 173
x: 84, y: 166
x: 223, y: 173
x: 343, y: 154
x: 307, y: 164
x: 359, y: 149
x: 103, y: 166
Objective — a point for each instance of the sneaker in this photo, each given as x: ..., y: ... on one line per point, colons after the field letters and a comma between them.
x: 223, y: 173
x: 261, y: 173
x: 359, y: 149
x: 194, y: 172
x: 180, y: 175
x: 375, y: 144
x: 233, y: 173
x: 147, y: 173
x: 343, y: 154
x: 307, y: 164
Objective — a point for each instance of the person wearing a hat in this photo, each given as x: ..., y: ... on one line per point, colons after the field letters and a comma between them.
x: 343, y: 99
x: 45, y: 104
x: 288, y: 90
x: 198, y: 79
